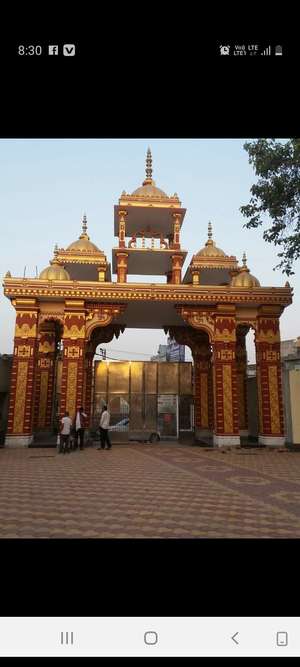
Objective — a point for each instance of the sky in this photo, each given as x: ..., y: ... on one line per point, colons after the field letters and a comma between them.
x: 47, y: 184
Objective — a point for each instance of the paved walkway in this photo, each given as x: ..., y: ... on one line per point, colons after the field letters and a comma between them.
x: 152, y: 491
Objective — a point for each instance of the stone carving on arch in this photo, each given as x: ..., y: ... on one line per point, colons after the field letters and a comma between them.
x: 198, y: 319
x: 101, y: 316
x: 246, y: 324
x: 51, y: 317
x: 197, y: 340
x: 101, y: 335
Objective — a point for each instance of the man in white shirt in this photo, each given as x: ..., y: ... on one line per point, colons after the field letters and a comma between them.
x: 104, y: 424
x: 79, y: 426
x: 66, y: 425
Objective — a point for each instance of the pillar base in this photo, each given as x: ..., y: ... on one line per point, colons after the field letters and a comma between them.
x: 202, y: 433
x: 226, y: 440
x: 20, y: 441
x: 271, y: 440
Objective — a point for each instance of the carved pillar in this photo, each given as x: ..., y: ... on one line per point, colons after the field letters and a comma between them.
x: 177, y: 261
x: 241, y: 367
x: 202, y: 363
x: 122, y: 263
x: 269, y: 388
x: 87, y: 403
x: 45, y: 372
x: 176, y: 231
x: 198, y: 341
x: 72, y: 381
x: 210, y: 396
x: 122, y: 229
x: 20, y: 412
x: 226, y: 415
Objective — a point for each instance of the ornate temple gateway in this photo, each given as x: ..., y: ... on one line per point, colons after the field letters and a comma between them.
x: 74, y: 306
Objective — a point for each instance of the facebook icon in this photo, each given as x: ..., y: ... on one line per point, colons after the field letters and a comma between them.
x: 53, y: 50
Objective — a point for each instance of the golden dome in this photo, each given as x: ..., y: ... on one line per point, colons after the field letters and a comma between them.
x: 149, y: 189
x: 54, y: 272
x: 83, y: 244
x: 244, y: 278
x: 210, y: 249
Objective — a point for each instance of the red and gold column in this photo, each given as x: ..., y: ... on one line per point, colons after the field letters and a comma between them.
x: 122, y: 264
x: 268, y: 373
x: 176, y: 231
x: 44, y: 372
x: 72, y: 381
x: 177, y: 261
x: 226, y: 414
x: 122, y: 229
x: 241, y: 368
x: 88, y: 385
x: 202, y: 366
x: 20, y: 412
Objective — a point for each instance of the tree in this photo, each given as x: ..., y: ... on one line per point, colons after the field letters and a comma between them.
x: 277, y: 195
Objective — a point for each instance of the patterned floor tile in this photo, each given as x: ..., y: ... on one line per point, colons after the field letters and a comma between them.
x: 165, y: 491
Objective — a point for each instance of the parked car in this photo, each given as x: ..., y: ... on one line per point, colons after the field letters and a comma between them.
x: 120, y: 425
x: 144, y: 435
x: 140, y: 435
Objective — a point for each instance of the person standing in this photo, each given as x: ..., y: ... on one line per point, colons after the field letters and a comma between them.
x: 66, y: 425
x: 79, y: 427
x: 104, y: 424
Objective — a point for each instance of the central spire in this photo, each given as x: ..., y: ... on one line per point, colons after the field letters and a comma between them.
x: 209, y: 241
x: 148, y: 180
x: 84, y: 234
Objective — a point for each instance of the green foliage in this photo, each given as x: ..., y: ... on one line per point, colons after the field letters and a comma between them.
x: 275, y: 197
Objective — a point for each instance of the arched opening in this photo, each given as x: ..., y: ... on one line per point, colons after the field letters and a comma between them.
x: 149, y: 396
x: 47, y: 375
x: 247, y: 383
x: 198, y: 342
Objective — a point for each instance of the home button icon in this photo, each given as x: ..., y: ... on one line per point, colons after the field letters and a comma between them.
x: 151, y: 637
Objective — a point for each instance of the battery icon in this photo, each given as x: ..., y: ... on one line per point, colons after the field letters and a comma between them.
x: 278, y: 51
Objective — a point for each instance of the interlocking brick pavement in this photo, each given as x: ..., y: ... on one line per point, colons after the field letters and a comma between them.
x: 154, y: 491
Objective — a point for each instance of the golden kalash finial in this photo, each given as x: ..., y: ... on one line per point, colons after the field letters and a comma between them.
x: 84, y: 234
x: 244, y: 278
x: 209, y: 234
x: 148, y: 179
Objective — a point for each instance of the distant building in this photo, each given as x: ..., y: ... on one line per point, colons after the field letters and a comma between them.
x: 290, y: 365
x: 170, y: 352
x: 290, y: 348
x: 175, y: 352
x: 161, y: 354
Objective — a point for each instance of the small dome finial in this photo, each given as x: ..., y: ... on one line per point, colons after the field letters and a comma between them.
x: 84, y: 223
x: 209, y: 234
x: 149, y: 165
x: 56, y: 249
x: 244, y: 260
x: 84, y: 234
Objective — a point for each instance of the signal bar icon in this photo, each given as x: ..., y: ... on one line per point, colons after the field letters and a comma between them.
x: 266, y: 52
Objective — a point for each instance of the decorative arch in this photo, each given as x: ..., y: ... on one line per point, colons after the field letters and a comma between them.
x: 198, y: 319
x: 101, y: 317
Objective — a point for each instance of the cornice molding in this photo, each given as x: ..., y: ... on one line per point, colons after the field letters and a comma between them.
x: 61, y: 290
